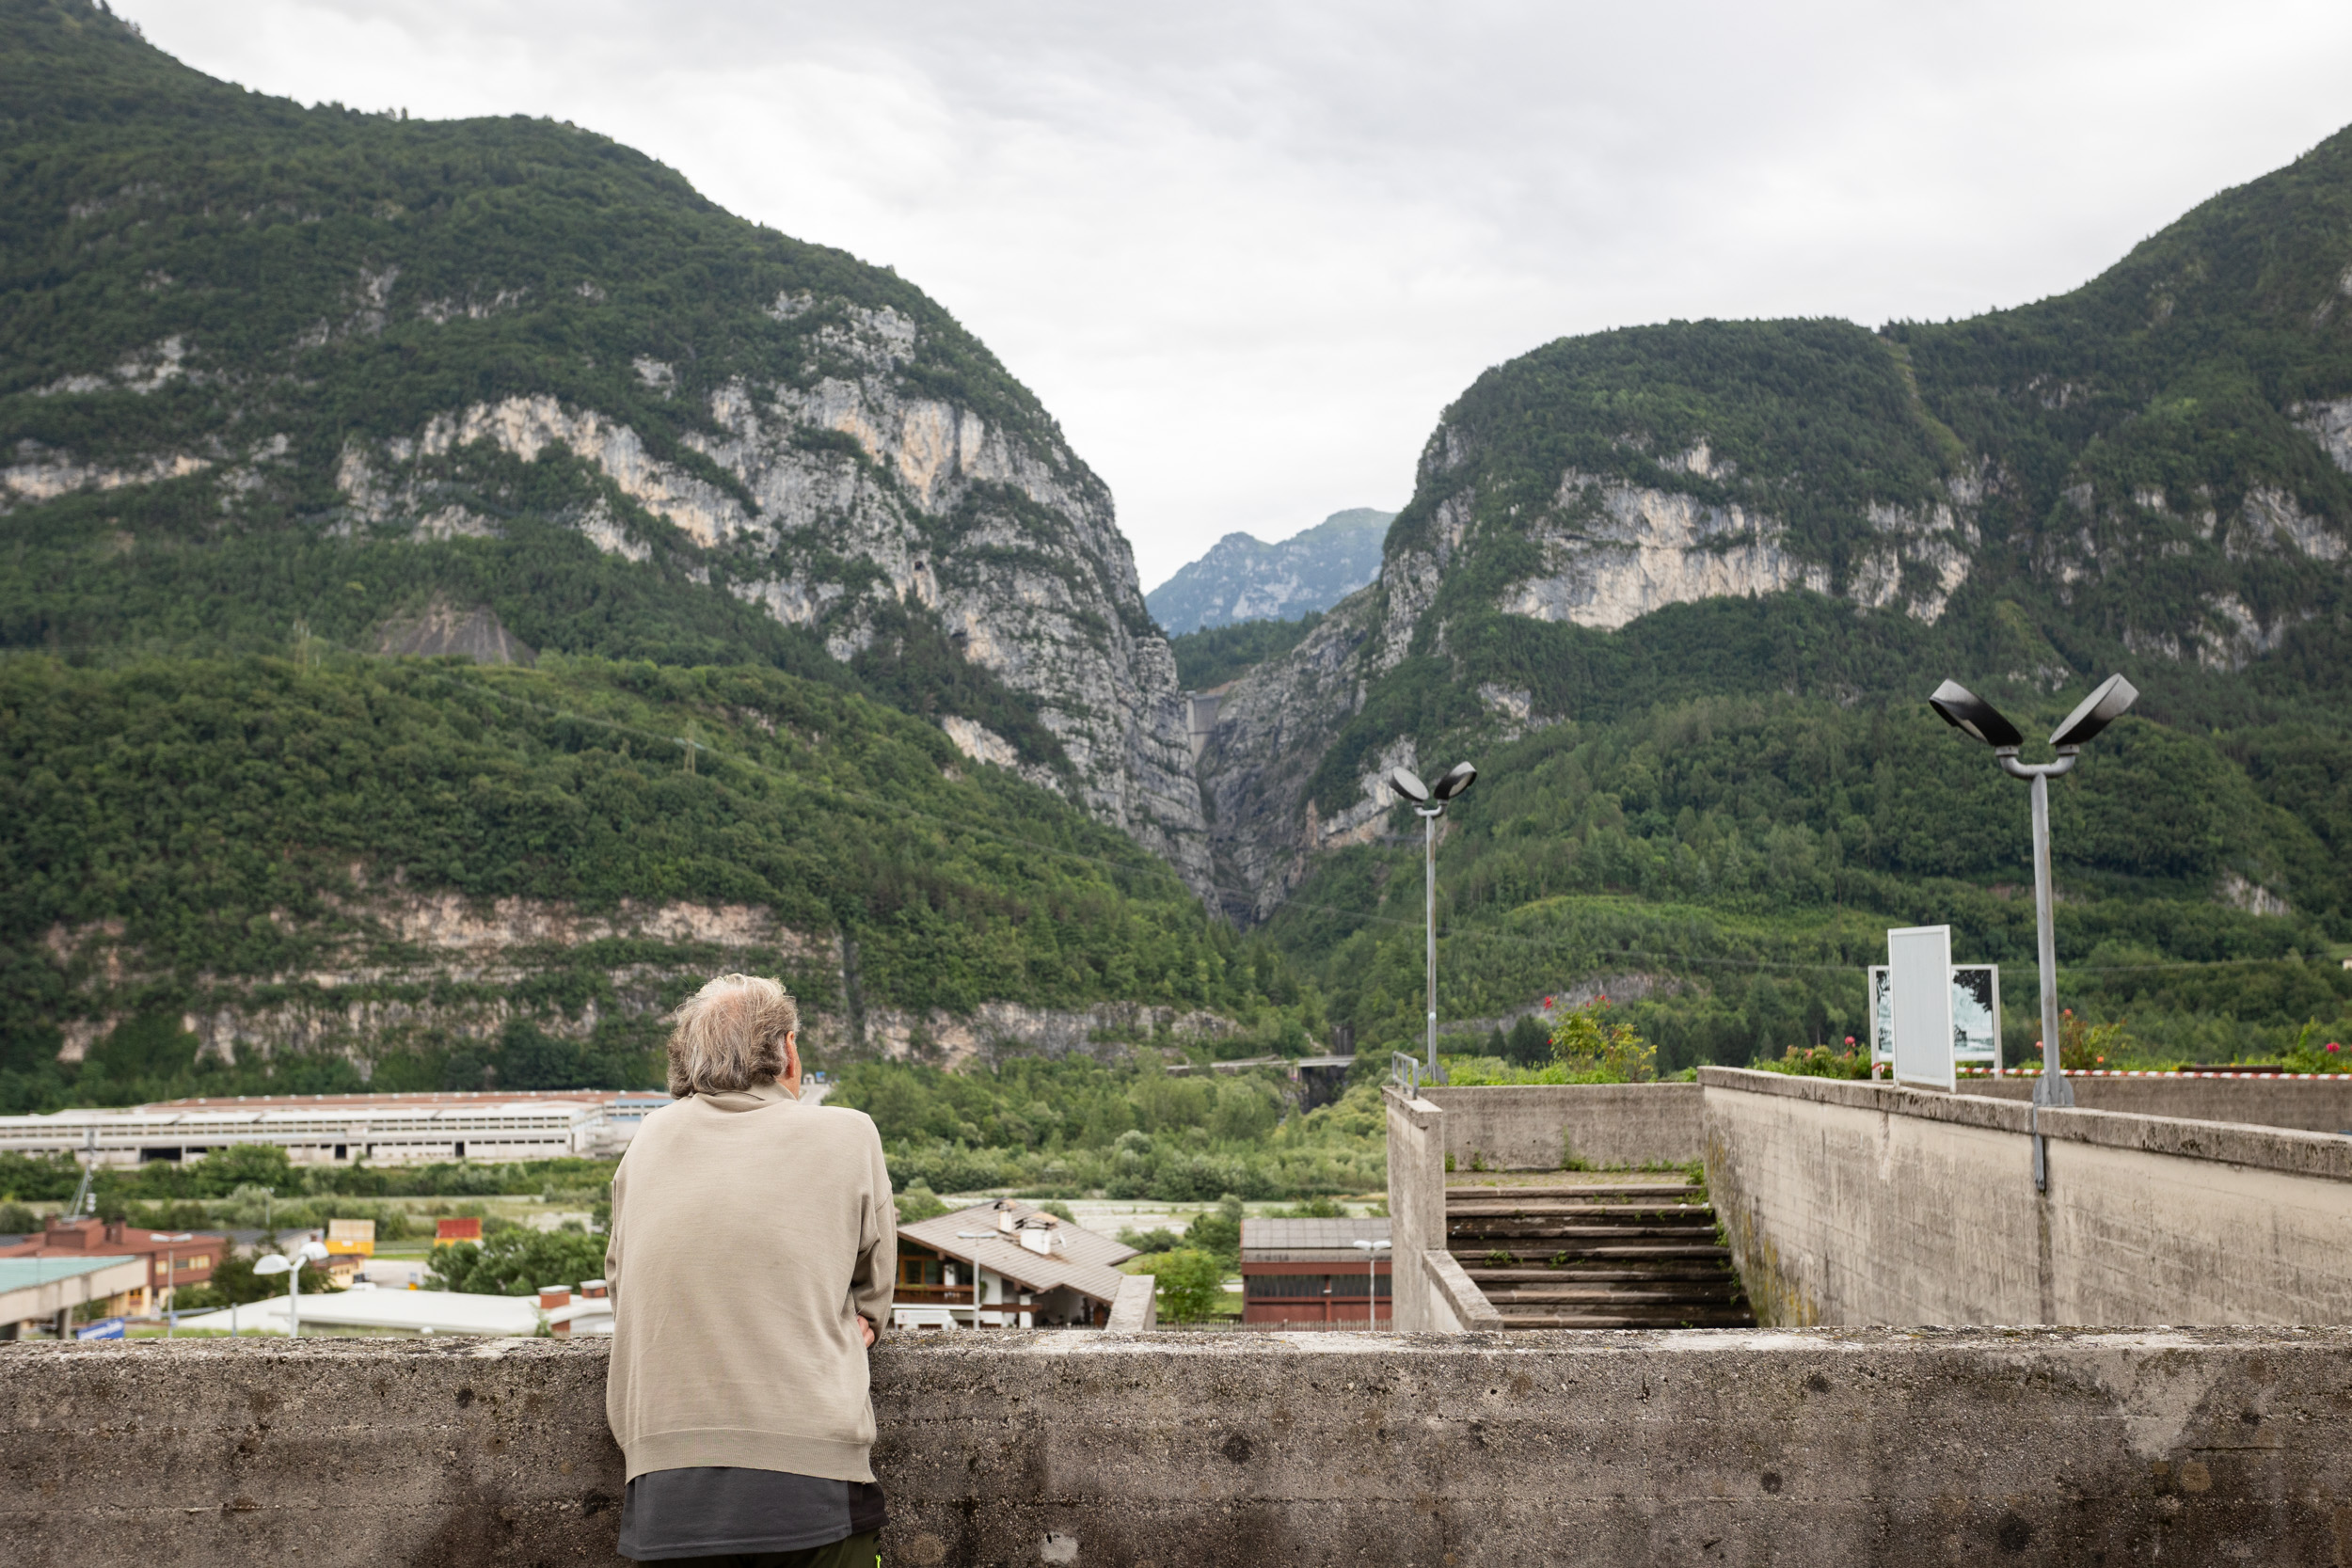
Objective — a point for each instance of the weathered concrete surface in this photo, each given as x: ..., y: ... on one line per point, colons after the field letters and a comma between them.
x: 1852, y: 1447
x: 1416, y: 1206
x: 1137, y: 1308
x: 1457, y: 1305
x: 1541, y: 1126
x: 1862, y: 1203
x: 2314, y: 1105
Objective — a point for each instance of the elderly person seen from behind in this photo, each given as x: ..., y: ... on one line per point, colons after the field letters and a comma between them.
x: 752, y: 1249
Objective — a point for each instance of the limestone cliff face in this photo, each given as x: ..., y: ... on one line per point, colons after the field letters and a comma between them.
x: 831, y: 489
x: 473, y: 330
x: 1272, y: 730
x: 1607, y: 550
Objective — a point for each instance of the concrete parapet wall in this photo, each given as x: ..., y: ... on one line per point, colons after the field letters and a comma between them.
x: 2313, y: 1104
x: 1136, y: 1311
x: 1852, y: 1447
x: 1457, y: 1305
x: 1416, y: 1205
x: 1863, y: 1203
x: 1541, y: 1126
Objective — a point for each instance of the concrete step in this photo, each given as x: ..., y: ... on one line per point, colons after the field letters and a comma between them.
x: 1678, y: 1317
x: 1616, y: 1296
x: 1661, y: 1192
x: 1548, y: 1206
x: 1472, y: 1255
x: 1533, y: 1233
x: 1696, y: 1269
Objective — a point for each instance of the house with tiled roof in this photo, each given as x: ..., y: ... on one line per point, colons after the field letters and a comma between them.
x: 1004, y: 1264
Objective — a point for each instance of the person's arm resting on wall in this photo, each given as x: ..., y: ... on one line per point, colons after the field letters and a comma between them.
x: 874, y: 1279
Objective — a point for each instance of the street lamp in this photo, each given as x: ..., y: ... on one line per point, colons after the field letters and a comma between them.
x: 1457, y: 779
x: 308, y: 1252
x: 1372, y: 1251
x: 975, y: 1235
x: 1972, y: 716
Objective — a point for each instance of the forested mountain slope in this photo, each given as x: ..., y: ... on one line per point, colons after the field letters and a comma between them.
x: 842, y: 668
x: 1682, y: 590
x: 478, y: 384
x: 249, y: 873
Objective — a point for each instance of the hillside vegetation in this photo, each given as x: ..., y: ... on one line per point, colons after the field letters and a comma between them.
x: 188, y: 836
x: 1717, y: 807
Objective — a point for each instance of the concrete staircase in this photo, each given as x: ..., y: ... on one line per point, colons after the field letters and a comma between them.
x: 1618, y: 1255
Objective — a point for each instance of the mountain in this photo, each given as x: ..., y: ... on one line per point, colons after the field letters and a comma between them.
x: 462, y: 586
x: 1244, y: 579
x: 268, y: 367
x: 1682, y: 588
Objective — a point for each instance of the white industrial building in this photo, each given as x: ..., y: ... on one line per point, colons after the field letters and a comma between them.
x: 328, y: 1130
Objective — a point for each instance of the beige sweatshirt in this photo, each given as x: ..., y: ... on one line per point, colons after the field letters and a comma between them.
x: 750, y: 1232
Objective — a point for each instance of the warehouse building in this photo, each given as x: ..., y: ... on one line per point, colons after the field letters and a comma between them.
x: 329, y: 1130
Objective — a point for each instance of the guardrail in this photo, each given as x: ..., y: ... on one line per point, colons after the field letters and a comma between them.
x: 1407, y: 1072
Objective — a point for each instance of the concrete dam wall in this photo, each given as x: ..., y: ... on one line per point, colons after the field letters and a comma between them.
x: 1853, y: 1447
x: 1863, y: 1203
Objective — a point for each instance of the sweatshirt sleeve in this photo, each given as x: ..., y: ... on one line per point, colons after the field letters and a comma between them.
x: 613, y: 1243
x: 872, y: 1282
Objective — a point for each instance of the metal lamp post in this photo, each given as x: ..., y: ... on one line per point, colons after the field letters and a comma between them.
x: 1372, y: 1251
x: 1972, y: 715
x: 308, y: 1252
x: 1408, y: 785
x: 975, y: 1235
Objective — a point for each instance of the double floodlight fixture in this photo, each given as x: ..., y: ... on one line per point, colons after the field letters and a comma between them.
x: 1429, y: 803
x: 1979, y: 720
x: 308, y: 1252
x: 1451, y: 782
x: 1972, y: 716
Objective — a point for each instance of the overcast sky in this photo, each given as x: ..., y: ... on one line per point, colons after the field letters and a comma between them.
x: 1248, y: 253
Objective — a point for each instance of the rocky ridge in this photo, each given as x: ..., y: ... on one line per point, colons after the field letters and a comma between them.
x: 1245, y: 578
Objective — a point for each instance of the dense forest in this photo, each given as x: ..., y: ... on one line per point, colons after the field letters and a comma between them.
x: 1214, y: 654
x: 233, y: 828
x: 1731, y: 866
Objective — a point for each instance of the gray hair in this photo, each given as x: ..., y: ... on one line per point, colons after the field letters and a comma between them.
x: 730, y: 1036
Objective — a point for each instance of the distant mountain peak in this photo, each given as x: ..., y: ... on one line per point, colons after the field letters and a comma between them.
x: 1245, y: 578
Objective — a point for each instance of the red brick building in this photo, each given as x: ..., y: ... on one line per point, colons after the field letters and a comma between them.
x: 174, y: 1259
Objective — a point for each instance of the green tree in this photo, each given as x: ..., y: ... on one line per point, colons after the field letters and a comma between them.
x: 1597, y: 1049
x: 1217, y: 1232
x: 234, y: 1283
x: 1190, y: 1283
x: 918, y: 1202
x: 517, y: 1262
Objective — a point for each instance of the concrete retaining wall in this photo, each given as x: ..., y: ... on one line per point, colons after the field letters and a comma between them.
x: 2314, y: 1105
x: 1852, y: 1447
x: 1861, y: 1203
x: 1416, y: 1206
x: 1540, y: 1125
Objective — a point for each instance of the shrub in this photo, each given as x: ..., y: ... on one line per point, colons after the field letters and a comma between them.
x: 1190, y: 1283
x: 1597, y: 1049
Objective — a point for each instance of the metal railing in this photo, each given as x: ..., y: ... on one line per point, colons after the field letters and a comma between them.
x: 1407, y: 1073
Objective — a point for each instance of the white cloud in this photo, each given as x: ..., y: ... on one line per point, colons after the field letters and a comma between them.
x: 1247, y: 253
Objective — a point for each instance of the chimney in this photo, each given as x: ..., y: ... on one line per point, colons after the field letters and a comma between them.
x: 552, y: 1297
x: 593, y: 1289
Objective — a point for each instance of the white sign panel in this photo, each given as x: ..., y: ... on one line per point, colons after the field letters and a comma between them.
x: 1976, y: 1014
x: 1919, y: 988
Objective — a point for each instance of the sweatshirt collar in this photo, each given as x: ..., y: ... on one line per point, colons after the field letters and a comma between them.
x: 771, y: 1093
